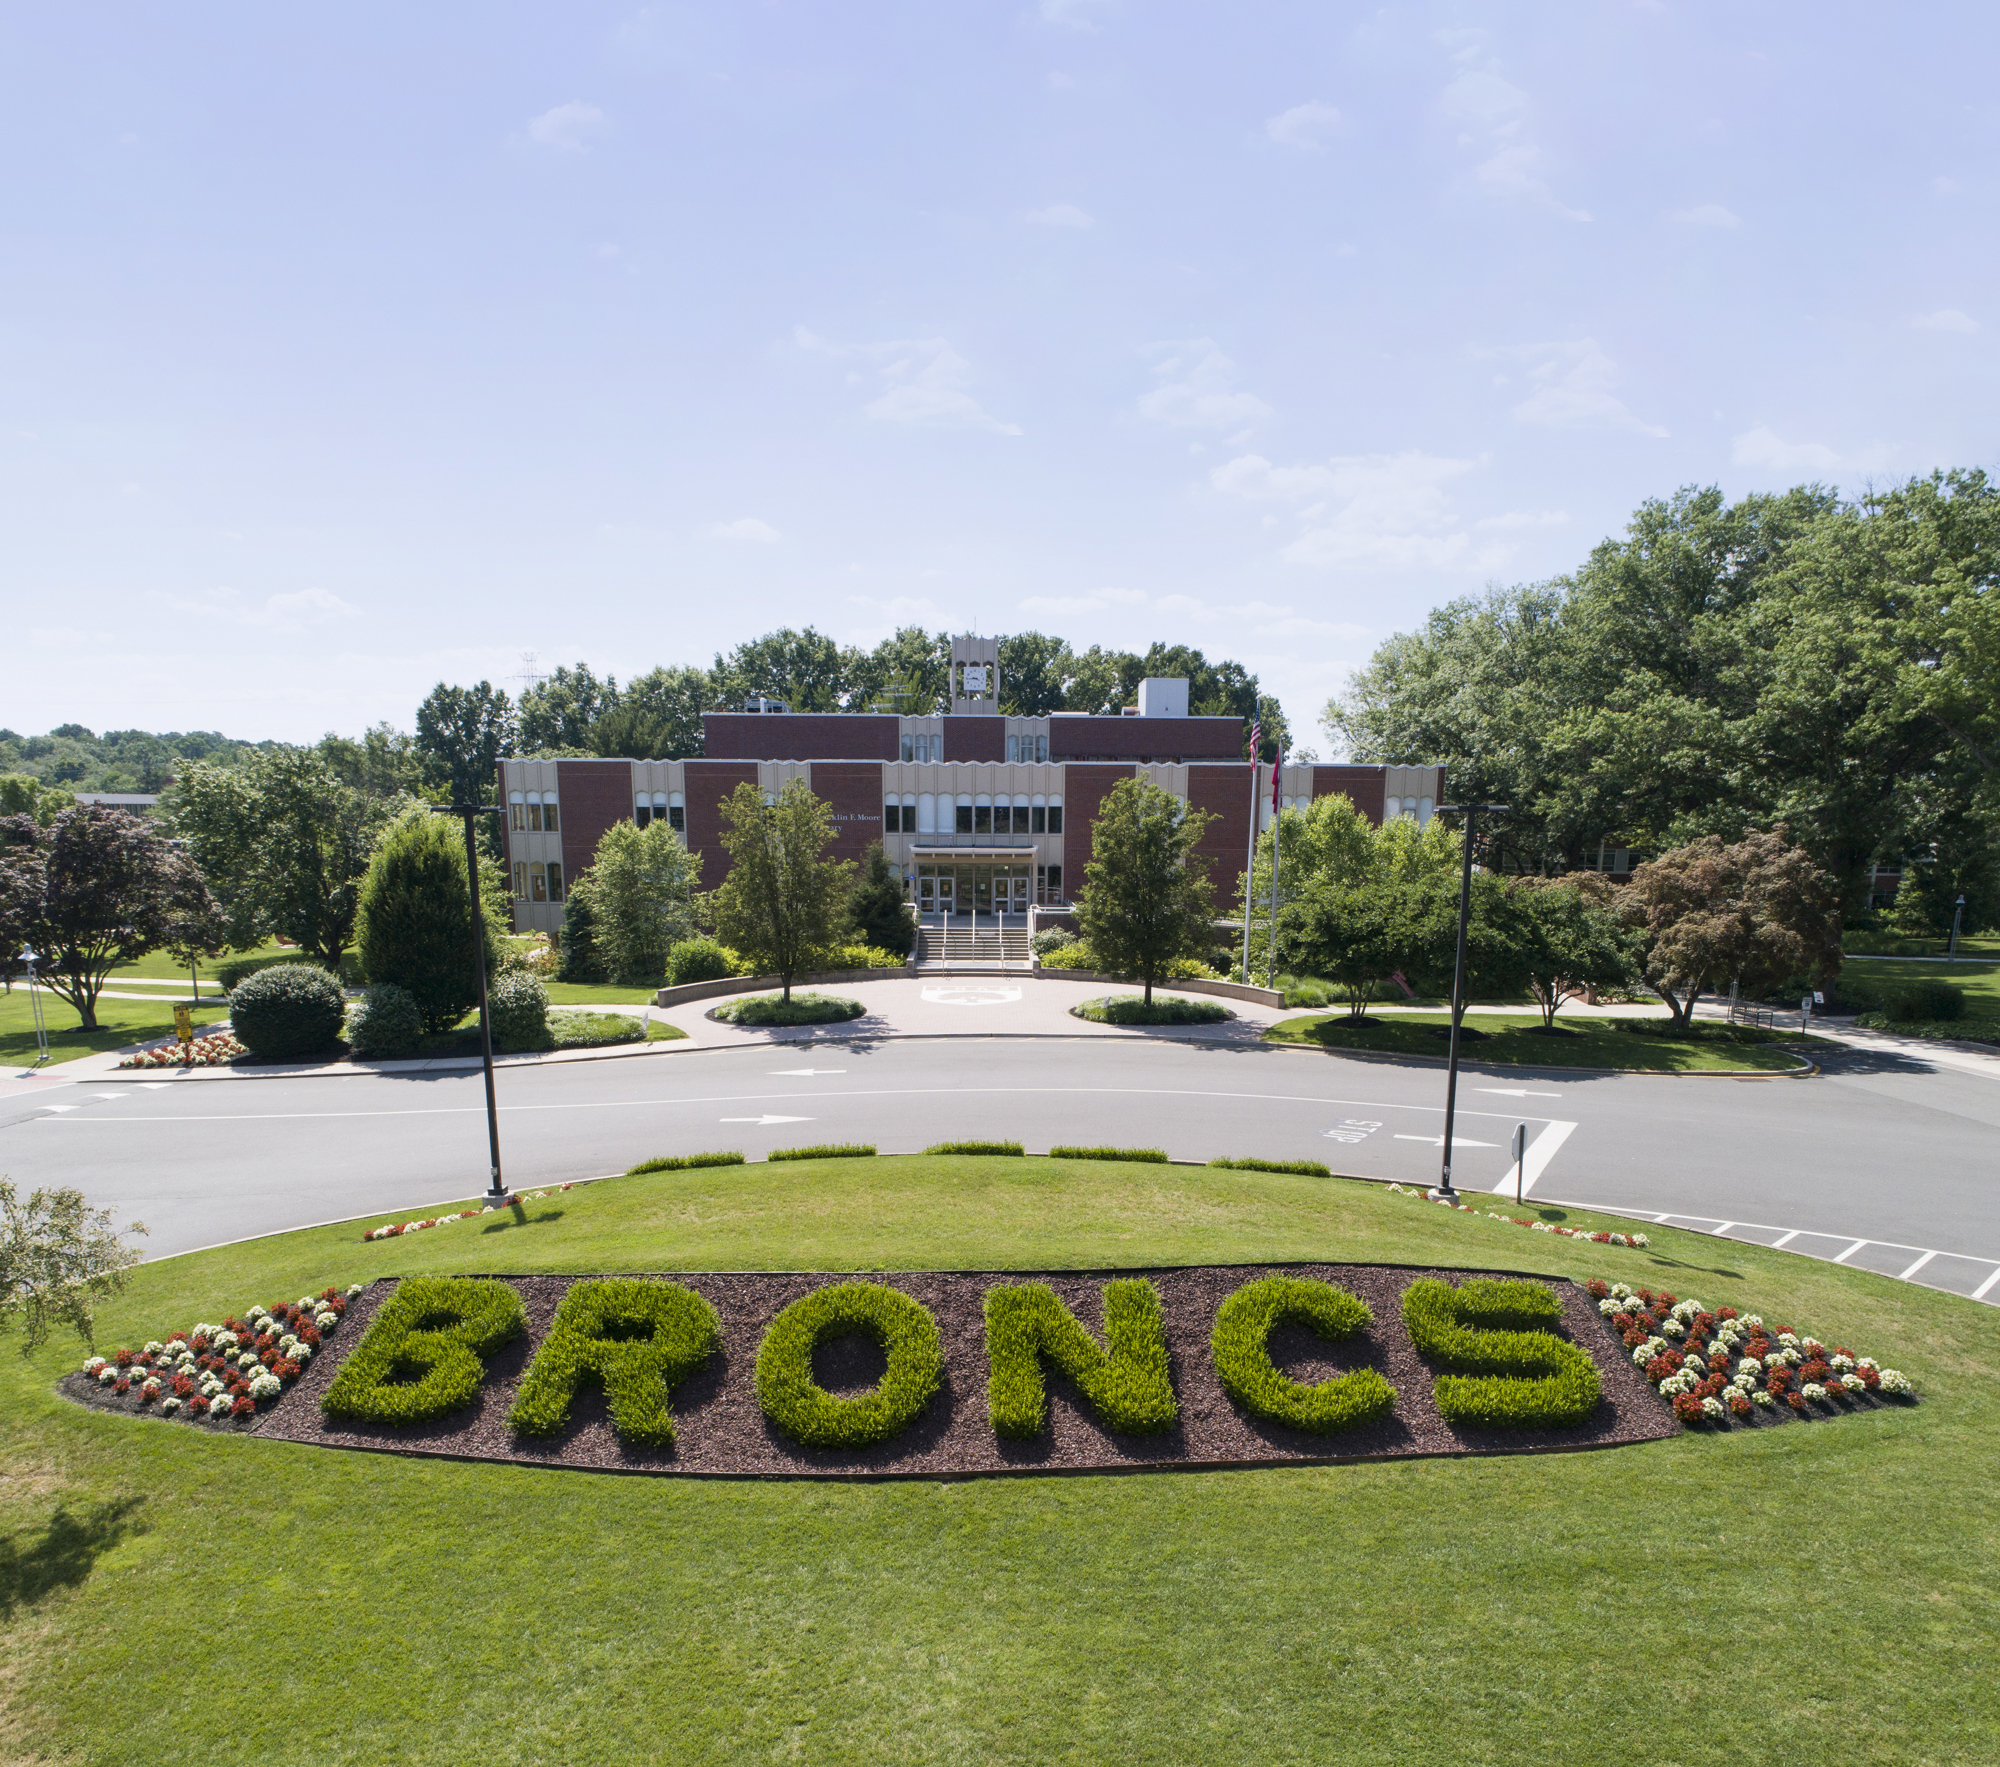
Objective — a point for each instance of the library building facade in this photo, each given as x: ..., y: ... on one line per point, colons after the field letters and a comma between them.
x: 985, y: 816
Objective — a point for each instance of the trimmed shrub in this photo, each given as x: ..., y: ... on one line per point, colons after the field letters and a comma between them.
x: 1969, y: 1030
x: 519, y: 1008
x: 424, y: 1352
x: 1152, y: 1156
x: 415, y: 924
x: 1509, y: 1370
x: 288, y: 1011
x: 1241, y: 1341
x: 698, y: 960
x: 1131, y: 1009
x: 241, y: 969
x: 580, y: 960
x: 831, y: 1150
x: 1926, y: 998
x: 684, y: 1162
x: 1051, y: 938
x: 990, y: 1147
x: 637, y: 1340
x: 806, y: 1411
x: 1128, y: 1382
x: 384, y: 1022
x: 1297, y: 1168
x: 801, y: 1009
x: 836, y: 957
x: 598, y: 1030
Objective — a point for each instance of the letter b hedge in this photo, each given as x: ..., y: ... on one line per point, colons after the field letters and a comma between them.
x: 1509, y: 1370
x: 424, y: 1352
x: 1128, y: 1383
x: 638, y: 1340
x: 1242, y: 1346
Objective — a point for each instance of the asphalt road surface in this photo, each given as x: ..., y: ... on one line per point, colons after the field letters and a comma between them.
x: 1876, y: 1150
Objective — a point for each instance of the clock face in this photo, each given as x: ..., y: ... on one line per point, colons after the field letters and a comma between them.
x: 975, y: 678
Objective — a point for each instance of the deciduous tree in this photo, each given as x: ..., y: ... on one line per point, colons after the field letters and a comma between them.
x: 1144, y: 903
x: 781, y: 901
x: 641, y: 894
x: 57, y: 1255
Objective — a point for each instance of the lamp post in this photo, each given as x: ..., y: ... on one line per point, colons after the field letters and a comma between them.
x: 1471, y: 812
x: 496, y: 1192
x: 30, y: 957
x: 1957, y: 914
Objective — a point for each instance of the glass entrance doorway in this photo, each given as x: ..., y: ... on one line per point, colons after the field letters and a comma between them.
x: 980, y: 889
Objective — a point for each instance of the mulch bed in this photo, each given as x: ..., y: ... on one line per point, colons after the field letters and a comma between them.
x: 722, y: 1432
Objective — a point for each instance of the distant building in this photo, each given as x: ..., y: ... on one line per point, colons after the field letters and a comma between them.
x: 138, y: 802
x: 983, y: 814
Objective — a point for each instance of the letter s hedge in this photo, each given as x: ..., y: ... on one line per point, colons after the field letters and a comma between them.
x: 1508, y: 1369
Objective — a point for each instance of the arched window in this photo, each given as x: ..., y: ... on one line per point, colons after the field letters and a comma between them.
x: 517, y: 817
x: 927, y: 813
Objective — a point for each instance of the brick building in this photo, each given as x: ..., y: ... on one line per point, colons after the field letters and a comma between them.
x: 983, y: 814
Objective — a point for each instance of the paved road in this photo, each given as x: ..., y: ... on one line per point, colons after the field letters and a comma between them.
x: 1878, y: 1149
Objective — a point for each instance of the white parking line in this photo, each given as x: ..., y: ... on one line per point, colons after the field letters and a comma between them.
x: 1851, y: 1250
x: 1787, y: 1240
x: 1986, y: 1287
x: 1536, y: 1161
x: 1918, y: 1265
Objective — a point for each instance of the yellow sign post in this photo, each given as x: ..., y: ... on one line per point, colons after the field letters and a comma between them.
x: 184, y: 1023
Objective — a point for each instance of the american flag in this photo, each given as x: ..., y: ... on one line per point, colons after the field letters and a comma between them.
x: 1256, y: 738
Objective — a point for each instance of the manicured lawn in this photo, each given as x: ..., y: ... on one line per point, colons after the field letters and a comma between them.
x: 1888, y: 944
x: 597, y: 994
x: 1516, y: 1038
x: 1816, y: 1593
x: 1979, y: 982
x: 121, y: 1022
x: 158, y: 963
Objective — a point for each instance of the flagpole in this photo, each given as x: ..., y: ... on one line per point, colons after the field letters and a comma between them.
x: 1250, y: 857
x: 1277, y: 834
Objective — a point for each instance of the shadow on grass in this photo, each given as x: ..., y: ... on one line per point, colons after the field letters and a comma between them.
x: 519, y: 1217
x: 61, y: 1556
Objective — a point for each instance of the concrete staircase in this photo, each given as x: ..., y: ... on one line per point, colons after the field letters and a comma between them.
x: 971, y: 943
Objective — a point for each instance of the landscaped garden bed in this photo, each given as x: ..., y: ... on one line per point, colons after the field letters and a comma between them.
x: 1519, y: 1039
x: 1180, y: 1415
x: 801, y: 1009
x: 1135, y: 1009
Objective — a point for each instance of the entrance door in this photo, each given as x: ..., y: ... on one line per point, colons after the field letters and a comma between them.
x: 982, y: 889
x: 1013, y: 893
x: 944, y: 892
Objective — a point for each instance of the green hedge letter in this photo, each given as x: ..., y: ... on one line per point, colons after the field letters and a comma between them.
x: 1509, y: 1369
x: 801, y: 1407
x: 424, y: 1351
x: 1128, y: 1385
x: 638, y: 1340
x: 1242, y: 1345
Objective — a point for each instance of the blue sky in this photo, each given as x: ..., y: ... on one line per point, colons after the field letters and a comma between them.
x: 346, y: 349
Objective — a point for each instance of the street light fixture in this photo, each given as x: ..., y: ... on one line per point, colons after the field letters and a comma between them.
x: 1471, y: 813
x: 496, y: 1194
x: 1957, y: 914
x: 30, y: 956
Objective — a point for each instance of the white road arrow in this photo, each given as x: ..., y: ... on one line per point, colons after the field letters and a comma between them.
x: 1438, y: 1141
x: 58, y: 1107
x: 763, y: 1122
x: 110, y: 1095
x: 786, y: 1073
x: 1515, y: 1092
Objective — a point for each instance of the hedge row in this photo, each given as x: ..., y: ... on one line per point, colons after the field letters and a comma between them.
x: 831, y: 1150
x: 1128, y: 1384
x: 1507, y: 1369
x: 1298, y: 1168
x: 1242, y: 1344
x: 683, y: 1162
x: 423, y: 1352
x: 805, y: 1410
x: 1156, y: 1156
x: 637, y: 1340
x: 986, y: 1147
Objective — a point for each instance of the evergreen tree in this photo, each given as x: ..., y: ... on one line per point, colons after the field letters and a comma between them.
x: 876, y: 913
x: 416, y: 925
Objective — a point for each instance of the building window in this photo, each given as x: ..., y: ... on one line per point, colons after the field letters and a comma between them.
x: 1055, y: 883
x: 555, y: 882
x: 520, y: 880
x: 677, y: 815
x: 963, y: 820
x: 1038, y: 815
x: 926, y: 813
x: 1055, y: 827
x: 1020, y: 813
x: 982, y: 815
x: 517, y: 812
x: 551, y: 823
x: 892, y: 816
x: 538, y: 883
x: 642, y: 809
x: 534, y: 812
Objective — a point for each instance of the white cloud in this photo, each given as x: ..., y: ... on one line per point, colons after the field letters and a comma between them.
x: 1384, y: 510
x: 1193, y: 389
x: 567, y: 128
x: 1512, y: 171
x: 749, y: 528
x: 1947, y: 319
x: 1573, y: 389
x: 1708, y: 214
x: 296, y: 610
x: 1308, y: 126
x: 1077, y: 14
x: 1061, y: 214
x: 1492, y: 115
x: 1483, y: 98
x: 1764, y: 449
x: 927, y: 382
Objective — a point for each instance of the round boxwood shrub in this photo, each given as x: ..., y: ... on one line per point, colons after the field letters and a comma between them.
x: 1242, y: 1345
x: 1927, y: 997
x: 804, y: 1409
x: 384, y: 1023
x: 697, y: 960
x: 518, y: 1006
x: 288, y: 1011
x: 801, y: 1009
